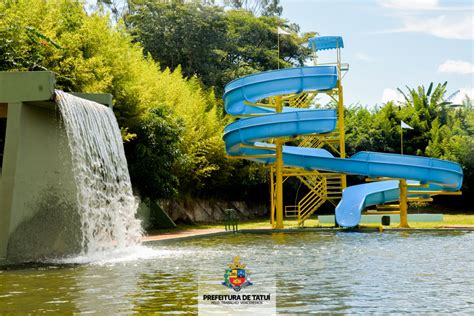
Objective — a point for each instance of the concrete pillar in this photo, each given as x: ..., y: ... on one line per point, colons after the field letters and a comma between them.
x: 38, y: 197
x: 8, y: 172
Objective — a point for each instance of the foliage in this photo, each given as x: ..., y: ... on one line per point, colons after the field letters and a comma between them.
x: 375, y: 131
x: 440, y: 129
x: 454, y: 141
x: 186, y: 35
x: 215, y: 45
x: 170, y: 124
x: 155, y: 155
x: 251, y: 45
x: 420, y: 108
x: 202, y: 145
x: 169, y: 114
x: 257, y: 7
x: 118, y: 8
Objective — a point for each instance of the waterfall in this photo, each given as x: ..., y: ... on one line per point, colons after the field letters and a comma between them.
x: 104, y: 193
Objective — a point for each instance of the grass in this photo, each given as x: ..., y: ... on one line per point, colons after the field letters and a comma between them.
x: 449, y: 220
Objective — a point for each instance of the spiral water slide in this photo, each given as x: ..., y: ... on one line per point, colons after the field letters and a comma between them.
x: 248, y: 138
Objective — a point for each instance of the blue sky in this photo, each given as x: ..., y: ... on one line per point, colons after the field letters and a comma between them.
x: 393, y: 43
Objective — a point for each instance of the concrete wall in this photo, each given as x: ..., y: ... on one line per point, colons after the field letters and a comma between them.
x: 37, y: 193
x: 38, y: 204
x: 209, y: 211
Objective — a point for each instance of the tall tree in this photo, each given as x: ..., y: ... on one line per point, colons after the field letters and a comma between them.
x: 421, y: 107
x: 172, y: 127
x: 190, y: 35
x: 454, y: 140
x: 216, y: 45
x: 441, y: 129
x: 251, y: 45
x: 118, y: 8
x: 257, y: 7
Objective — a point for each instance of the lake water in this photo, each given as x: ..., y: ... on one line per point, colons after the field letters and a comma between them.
x: 325, y: 272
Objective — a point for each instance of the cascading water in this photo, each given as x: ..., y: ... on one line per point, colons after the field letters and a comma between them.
x: 104, y: 193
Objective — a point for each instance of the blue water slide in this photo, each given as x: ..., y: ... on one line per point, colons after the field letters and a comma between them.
x: 240, y: 135
x: 358, y: 197
x: 276, y: 82
x: 254, y: 129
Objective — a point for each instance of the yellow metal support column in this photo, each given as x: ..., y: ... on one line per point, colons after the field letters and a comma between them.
x: 272, y: 196
x: 279, y: 171
x: 340, y: 119
x: 403, y: 204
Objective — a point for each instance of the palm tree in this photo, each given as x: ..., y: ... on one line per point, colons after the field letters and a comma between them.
x: 427, y: 106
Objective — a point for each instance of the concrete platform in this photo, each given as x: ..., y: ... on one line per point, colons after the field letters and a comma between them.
x: 394, y: 218
x: 186, y: 234
x: 198, y: 233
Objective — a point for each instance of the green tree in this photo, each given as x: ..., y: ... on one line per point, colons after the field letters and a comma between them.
x: 154, y: 108
x: 251, y: 45
x: 454, y: 141
x: 257, y: 7
x: 176, y: 34
x: 419, y: 109
x: 216, y: 45
x: 441, y: 129
x: 202, y: 145
x: 155, y: 154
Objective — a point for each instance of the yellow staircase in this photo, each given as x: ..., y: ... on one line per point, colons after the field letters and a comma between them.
x: 322, y: 186
x: 334, y: 187
x: 313, y: 199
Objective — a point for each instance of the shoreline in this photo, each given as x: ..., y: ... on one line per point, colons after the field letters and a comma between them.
x: 186, y: 234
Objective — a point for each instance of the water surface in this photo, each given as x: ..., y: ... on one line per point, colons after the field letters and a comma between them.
x: 323, y: 272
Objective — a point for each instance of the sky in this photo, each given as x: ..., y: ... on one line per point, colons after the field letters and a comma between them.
x: 391, y: 44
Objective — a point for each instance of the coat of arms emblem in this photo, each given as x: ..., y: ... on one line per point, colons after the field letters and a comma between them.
x: 236, y: 277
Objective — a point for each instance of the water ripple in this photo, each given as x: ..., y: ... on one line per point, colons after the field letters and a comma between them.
x: 349, y: 273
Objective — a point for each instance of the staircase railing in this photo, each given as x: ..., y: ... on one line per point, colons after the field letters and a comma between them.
x: 313, y: 199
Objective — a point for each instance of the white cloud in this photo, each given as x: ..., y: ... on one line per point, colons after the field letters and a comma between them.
x: 463, y: 92
x: 455, y: 21
x: 456, y: 66
x: 441, y: 26
x: 410, y: 4
x: 422, y: 5
x: 364, y: 57
x: 391, y: 95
